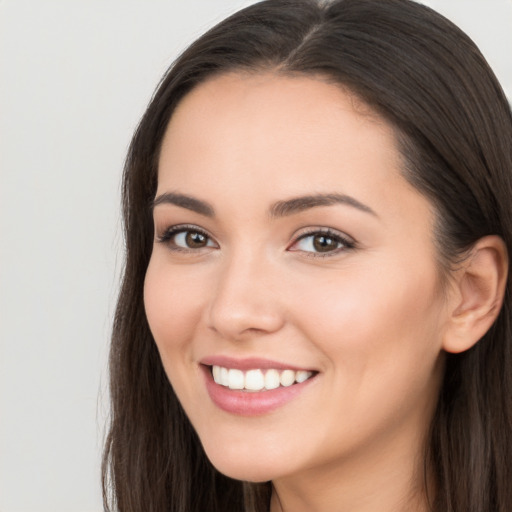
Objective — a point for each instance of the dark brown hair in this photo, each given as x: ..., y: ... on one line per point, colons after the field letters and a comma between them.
x: 454, y: 127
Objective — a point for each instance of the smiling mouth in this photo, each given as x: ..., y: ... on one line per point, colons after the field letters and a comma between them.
x: 257, y: 379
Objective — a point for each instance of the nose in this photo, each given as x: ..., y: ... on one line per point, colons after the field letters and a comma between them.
x: 246, y: 301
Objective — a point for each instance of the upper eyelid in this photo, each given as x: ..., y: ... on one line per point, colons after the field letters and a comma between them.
x: 298, y: 235
x: 347, y: 242
x: 175, y: 229
x: 323, y: 230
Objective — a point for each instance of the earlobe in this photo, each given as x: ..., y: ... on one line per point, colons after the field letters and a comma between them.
x: 480, y: 290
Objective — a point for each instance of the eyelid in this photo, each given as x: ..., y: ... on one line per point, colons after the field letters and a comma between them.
x: 166, y: 236
x: 348, y: 243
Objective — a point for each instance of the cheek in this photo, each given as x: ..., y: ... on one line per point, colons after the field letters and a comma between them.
x: 380, y: 338
x: 173, y: 305
x: 374, y: 320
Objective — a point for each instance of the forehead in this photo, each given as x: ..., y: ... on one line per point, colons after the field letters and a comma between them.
x: 265, y: 137
x: 296, y: 106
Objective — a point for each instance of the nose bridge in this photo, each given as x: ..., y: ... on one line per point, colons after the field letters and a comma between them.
x: 245, y: 299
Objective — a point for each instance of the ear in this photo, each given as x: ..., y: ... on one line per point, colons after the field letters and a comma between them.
x: 480, y: 288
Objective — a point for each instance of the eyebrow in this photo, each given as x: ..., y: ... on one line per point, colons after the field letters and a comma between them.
x: 300, y: 204
x: 184, y: 201
x: 278, y: 209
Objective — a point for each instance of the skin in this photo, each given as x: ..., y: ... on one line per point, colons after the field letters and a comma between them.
x: 370, y: 319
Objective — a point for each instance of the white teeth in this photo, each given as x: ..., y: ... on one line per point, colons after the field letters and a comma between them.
x: 236, y: 379
x: 302, y: 376
x: 254, y: 380
x: 257, y: 380
x: 287, y: 378
x: 272, y: 379
x: 224, y: 376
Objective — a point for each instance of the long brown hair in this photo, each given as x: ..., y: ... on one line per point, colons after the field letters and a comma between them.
x: 454, y: 126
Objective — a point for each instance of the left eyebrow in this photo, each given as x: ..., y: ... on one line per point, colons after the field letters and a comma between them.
x: 300, y: 204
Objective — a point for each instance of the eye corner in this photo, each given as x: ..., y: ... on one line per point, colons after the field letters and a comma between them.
x: 185, y: 238
x: 321, y: 242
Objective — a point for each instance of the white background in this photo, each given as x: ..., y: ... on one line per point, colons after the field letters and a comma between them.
x: 75, y: 77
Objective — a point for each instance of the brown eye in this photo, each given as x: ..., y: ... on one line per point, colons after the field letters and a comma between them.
x: 195, y: 240
x: 180, y: 238
x: 324, y: 243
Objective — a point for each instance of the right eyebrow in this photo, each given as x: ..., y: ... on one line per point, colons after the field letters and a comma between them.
x: 184, y: 201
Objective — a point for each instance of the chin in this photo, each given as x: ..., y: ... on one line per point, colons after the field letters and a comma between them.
x: 244, y: 467
x: 245, y: 473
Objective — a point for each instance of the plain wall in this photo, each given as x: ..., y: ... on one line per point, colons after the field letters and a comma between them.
x: 75, y: 77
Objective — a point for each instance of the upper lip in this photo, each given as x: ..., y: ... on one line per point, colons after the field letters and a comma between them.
x: 249, y: 363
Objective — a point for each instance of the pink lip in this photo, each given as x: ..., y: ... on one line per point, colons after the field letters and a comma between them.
x: 249, y: 363
x: 246, y: 403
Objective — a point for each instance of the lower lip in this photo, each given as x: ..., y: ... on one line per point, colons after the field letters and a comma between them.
x: 251, y: 403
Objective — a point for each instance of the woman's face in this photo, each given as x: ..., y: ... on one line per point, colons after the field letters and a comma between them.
x: 288, y: 247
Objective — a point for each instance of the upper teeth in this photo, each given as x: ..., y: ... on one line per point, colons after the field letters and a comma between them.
x: 256, y: 380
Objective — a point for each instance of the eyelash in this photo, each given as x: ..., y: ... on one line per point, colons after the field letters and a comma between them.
x: 337, y: 237
x: 167, y: 236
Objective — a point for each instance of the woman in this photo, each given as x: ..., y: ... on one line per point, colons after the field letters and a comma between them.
x: 315, y: 311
